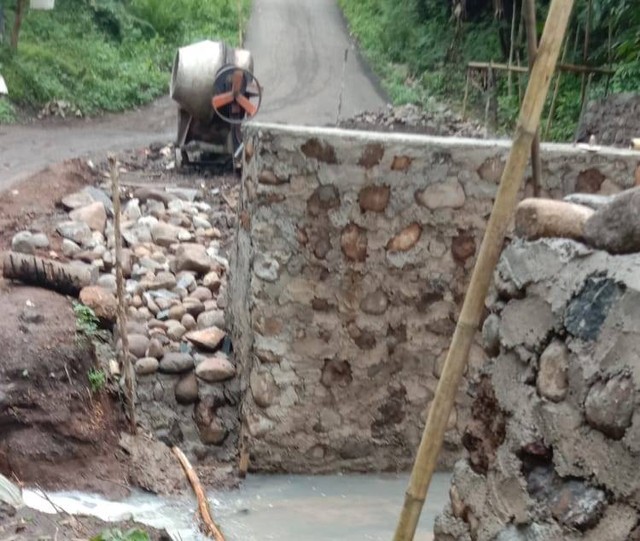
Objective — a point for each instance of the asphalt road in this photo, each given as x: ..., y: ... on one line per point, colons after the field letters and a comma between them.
x: 299, y: 49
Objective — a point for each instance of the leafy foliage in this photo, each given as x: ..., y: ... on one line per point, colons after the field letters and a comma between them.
x: 119, y: 535
x: 97, y: 379
x: 108, y: 55
x: 420, y: 49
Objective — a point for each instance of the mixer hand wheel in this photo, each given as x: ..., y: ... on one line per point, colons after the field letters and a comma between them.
x: 235, y: 89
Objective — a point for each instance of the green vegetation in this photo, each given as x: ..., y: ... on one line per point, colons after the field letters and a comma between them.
x: 86, y: 319
x: 420, y: 49
x: 106, y: 55
x: 118, y: 535
x: 97, y: 379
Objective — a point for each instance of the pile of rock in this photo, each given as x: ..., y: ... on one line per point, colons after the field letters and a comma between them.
x: 175, y: 293
x: 439, y: 120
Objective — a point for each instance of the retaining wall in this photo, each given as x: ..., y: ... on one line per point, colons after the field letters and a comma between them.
x: 352, y: 257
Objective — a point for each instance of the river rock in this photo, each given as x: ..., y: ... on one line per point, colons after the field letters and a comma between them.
x: 209, y: 338
x: 138, y: 344
x: 375, y: 303
x: 108, y: 282
x: 187, y: 389
x: 94, y: 215
x: 155, y: 349
x: 447, y: 194
x: 146, y: 366
x: 101, y: 301
x: 212, y: 281
x: 202, y: 293
x: 70, y: 248
x: 177, y: 312
x: 176, y: 330
x: 212, y: 318
x: 215, y: 369
x: 192, y: 257
x: 609, y: 405
x: 132, y: 210
x: 186, y: 281
x: 552, y: 382
x: 188, y: 322
x: 23, y: 242
x: 78, y: 232
x: 193, y: 306
x: 77, y: 200
x: 263, y: 388
x: 164, y: 234
x: 174, y: 362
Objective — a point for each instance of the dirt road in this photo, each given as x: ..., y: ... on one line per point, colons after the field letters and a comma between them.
x: 299, y: 48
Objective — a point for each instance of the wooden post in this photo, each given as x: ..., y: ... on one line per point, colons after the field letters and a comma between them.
x: 505, y: 202
x: 465, y: 100
x: 127, y: 366
x: 554, y: 98
x: 529, y: 9
x: 585, y: 53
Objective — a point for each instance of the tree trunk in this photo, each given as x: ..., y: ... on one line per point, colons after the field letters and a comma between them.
x: 68, y: 279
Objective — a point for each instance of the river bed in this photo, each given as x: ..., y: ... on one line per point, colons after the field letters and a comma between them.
x: 282, y: 507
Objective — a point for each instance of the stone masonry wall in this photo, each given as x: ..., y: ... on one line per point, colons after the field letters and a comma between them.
x: 555, y: 442
x: 353, y: 254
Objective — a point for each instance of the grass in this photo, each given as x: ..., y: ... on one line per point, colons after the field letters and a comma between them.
x: 107, y: 55
x: 118, y: 535
x: 97, y: 379
x: 421, y: 58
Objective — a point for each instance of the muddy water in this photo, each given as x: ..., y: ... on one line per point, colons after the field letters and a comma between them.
x: 286, y: 508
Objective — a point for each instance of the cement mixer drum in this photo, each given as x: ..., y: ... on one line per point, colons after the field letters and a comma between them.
x: 214, y: 87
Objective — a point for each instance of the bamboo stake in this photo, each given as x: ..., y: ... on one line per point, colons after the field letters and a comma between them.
x: 532, y: 50
x: 505, y: 202
x: 203, y: 504
x: 571, y: 68
x: 512, y: 45
x: 127, y: 366
x: 585, y: 52
x: 556, y: 89
x: 465, y: 100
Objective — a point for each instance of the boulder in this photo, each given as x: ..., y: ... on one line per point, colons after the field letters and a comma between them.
x: 616, y: 227
x: 175, y: 362
x: 94, y: 215
x: 101, y: 301
x: 215, y: 369
x: 209, y: 338
x: 192, y: 257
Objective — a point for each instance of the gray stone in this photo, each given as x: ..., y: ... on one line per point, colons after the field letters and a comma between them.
x: 202, y: 293
x: 266, y: 268
x: 609, y: 405
x: 213, y: 318
x: 108, y: 282
x: 577, y: 505
x: 526, y: 322
x: 616, y: 227
x: 94, y: 215
x: 215, y: 369
x: 193, y: 306
x: 164, y: 280
x: 187, y: 281
x: 164, y: 234
x: 589, y: 308
x: 212, y: 281
x: 176, y: 331
x: 375, y: 303
x: 187, y: 389
x: 78, y: 232
x: 132, y: 210
x: 552, y: 381
x: 185, y: 194
x: 192, y: 257
x: 491, y: 335
x: 100, y: 195
x: 70, y: 248
x: 155, y: 349
x: 201, y: 222
x: 175, y: 362
x: 138, y: 344
x: 188, y: 322
x: 136, y: 234
x: 146, y: 366
x: 23, y: 242
x: 590, y: 200
x: 77, y: 200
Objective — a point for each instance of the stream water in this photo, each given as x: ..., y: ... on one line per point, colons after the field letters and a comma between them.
x: 283, y: 507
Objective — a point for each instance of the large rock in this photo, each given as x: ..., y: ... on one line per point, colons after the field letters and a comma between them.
x: 209, y: 338
x: 27, y: 243
x: 138, y: 344
x: 175, y: 363
x: 101, y: 301
x: 78, y: 232
x: 214, y: 369
x: 192, y: 257
x: 94, y: 215
x: 146, y: 366
x: 448, y: 194
x: 616, y: 226
x: 609, y: 405
x: 77, y: 200
x: 539, y: 218
x: 164, y: 234
x: 212, y: 318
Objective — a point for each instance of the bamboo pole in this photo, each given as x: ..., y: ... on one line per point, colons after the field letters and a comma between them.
x: 532, y: 50
x: 556, y: 89
x: 571, y: 68
x: 512, y: 46
x: 127, y: 365
x: 505, y: 202
x: 211, y: 529
x: 585, y: 52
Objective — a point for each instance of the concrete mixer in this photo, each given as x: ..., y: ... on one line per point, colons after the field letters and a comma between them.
x: 214, y: 87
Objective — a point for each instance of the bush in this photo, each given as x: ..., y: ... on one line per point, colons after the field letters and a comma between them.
x: 108, y: 55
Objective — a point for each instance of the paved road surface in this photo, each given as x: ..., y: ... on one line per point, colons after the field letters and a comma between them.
x: 299, y: 48
x: 299, y: 51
